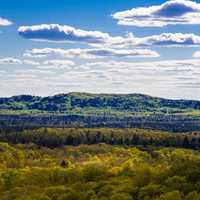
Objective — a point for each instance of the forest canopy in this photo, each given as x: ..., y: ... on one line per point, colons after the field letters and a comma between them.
x: 91, y: 103
x: 98, y: 172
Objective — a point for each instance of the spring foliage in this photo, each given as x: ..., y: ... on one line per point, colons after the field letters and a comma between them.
x: 98, y: 172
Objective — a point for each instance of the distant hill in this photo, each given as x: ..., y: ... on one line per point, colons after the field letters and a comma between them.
x: 85, y: 102
x: 99, y: 110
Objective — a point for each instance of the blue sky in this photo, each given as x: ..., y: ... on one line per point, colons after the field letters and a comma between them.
x: 52, y: 47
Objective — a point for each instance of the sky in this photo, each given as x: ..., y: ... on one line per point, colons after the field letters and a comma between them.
x: 151, y: 47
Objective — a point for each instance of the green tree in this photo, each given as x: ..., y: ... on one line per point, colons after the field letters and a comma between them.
x: 174, y: 195
x: 121, y: 196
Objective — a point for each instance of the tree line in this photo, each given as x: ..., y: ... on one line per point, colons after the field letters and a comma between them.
x: 58, y: 137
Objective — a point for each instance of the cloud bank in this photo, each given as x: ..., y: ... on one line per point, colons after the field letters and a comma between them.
x: 91, y: 53
x: 170, y: 39
x: 57, y: 64
x: 10, y: 60
x: 16, y: 61
x: 169, y: 78
x: 169, y: 13
x: 58, y: 33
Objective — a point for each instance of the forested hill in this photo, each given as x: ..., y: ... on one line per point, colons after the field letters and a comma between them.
x: 85, y: 102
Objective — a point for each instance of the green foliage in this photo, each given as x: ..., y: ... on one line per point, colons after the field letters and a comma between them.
x: 98, y: 172
x: 92, y: 103
x: 174, y: 195
x: 193, y: 196
x: 99, y: 110
x: 58, y: 137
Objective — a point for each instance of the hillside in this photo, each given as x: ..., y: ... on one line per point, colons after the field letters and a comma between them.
x: 99, y: 110
x: 87, y: 103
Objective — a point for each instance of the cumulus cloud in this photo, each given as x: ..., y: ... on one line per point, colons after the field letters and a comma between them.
x: 58, y: 33
x: 16, y: 61
x: 122, y: 53
x: 167, y: 39
x: 30, y: 62
x: 169, y: 13
x: 196, y: 54
x: 91, y: 53
x: 10, y: 61
x: 4, y: 22
x: 164, y: 39
x: 169, y: 78
x: 57, y: 64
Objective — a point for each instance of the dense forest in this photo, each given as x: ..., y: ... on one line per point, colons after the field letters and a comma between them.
x: 60, y: 148
x: 98, y: 172
x: 59, y: 137
x: 97, y: 103
x: 99, y: 110
x: 175, y: 123
x: 99, y: 164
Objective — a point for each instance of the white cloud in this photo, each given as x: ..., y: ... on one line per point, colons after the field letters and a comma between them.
x: 169, y: 13
x: 10, y: 61
x: 57, y: 64
x: 16, y: 61
x: 196, y: 54
x: 91, y: 53
x: 35, y: 72
x: 164, y: 39
x: 4, y: 22
x: 167, y: 39
x: 30, y: 62
x: 30, y: 55
x: 58, y: 33
x: 169, y: 78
